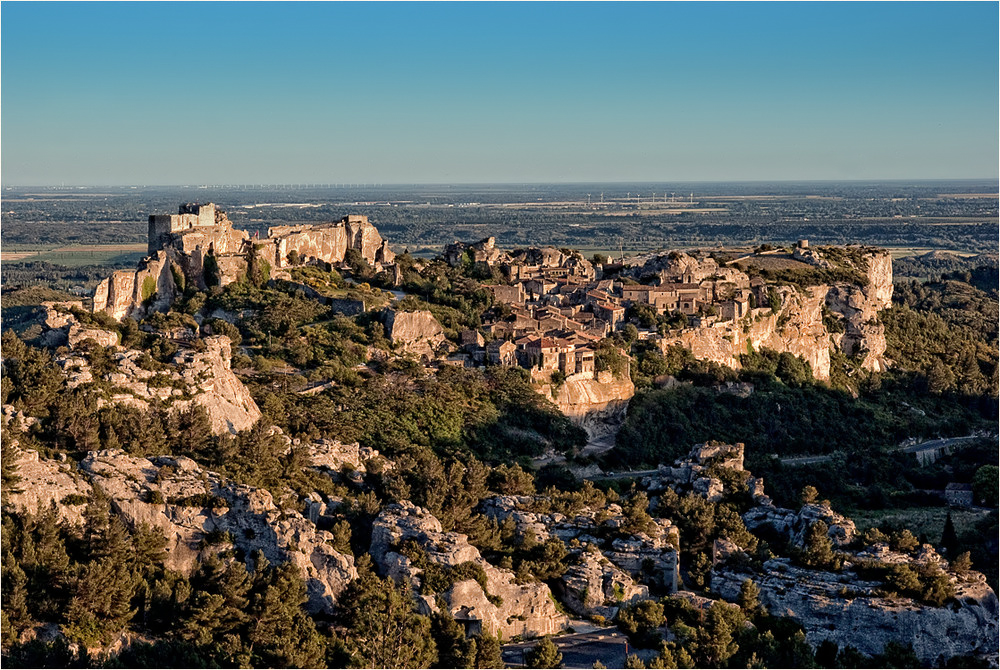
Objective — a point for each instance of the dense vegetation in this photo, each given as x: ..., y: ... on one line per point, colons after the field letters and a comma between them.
x: 458, y: 436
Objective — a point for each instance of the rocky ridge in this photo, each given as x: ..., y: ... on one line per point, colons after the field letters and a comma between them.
x: 835, y: 606
x: 798, y: 326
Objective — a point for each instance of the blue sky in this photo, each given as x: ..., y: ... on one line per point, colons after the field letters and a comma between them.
x: 190, y: 93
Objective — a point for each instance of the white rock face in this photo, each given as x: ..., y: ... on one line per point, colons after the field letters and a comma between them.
x: 597, y: 407
x: 594, y: 585
x: 335, y: 455
x: 46, y: 482
x: 187, y: 503
x: 526, y: 609
x: 200, y: 377
x: 414, y: 332
x: 845, y: 610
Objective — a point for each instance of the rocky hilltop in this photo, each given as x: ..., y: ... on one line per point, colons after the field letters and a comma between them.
x: 199, y: 247
x: 804, y: 319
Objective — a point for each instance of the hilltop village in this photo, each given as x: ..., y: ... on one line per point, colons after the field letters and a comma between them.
x: 398, y: 469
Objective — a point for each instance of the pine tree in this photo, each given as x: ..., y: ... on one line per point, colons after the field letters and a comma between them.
x: 488, y: 652
x: 384, y: 632
x: 819, y: 548
x: 454, y: 650
x: 281, y: 633
x: 949, y: 538
x: 545, y: 654
x: 749, y: 598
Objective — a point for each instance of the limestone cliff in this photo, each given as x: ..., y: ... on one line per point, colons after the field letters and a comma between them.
x: 329, y: 242
x: 503, y: 607
x: 194, y: 376
x: 413, y: 332
x: 808, y: 321
x: 200, y: 247
x: 848, y: 611
x: 596, y: 405
x: 797, y: 327
x: 198, y: 512
x: 133, y: 293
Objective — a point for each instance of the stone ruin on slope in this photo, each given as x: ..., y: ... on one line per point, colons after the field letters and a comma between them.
x: 199, y: 246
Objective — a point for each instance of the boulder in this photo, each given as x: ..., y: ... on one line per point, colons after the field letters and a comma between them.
x: 415, y: 332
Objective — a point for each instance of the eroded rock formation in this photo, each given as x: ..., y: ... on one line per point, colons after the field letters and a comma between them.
x: 328, y: 242
x: 194, y: 376
x: 197, y: 511
x: 503, y: 607
x: 413, y: 332
x: 594, y: 585
x: 199, y: 246
x: 848, y: 611
x: 598, y: 405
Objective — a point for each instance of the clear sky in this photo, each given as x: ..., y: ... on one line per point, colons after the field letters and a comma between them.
x: 191, y: 93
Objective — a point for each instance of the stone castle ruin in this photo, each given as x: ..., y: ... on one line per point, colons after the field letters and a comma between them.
x: 198, y: 246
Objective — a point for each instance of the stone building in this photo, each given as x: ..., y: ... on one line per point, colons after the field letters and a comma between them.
x: 199, y: 246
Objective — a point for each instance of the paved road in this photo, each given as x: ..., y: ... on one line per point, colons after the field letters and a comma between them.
x: 579, y: 650
x: 943, y: 442
x: 910, y: 449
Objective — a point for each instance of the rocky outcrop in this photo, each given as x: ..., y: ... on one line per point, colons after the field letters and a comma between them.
x: 504, y: 606
x: 46, y: 483
x: 483, y: 251
x: 595, y: 586
x: 414, y: 332
x: 651, y: 555
x: 681, y: 264
x: 597, y: 406
x: 134, y: 293
x: 848, y: 611
x: 199, y: 513
x: 203, y: 377
x: 335, y: 456
x: 329, y: 242
x: 797, y: 327
x: 794, y: 525
x: 198, y: 246
x: 692, y: 473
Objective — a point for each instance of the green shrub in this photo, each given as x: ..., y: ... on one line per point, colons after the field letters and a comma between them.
x: 148, y: 289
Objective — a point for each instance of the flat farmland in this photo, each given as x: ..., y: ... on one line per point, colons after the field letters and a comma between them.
x: 74, y: 255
